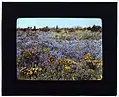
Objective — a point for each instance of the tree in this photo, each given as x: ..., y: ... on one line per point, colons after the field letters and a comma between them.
x: 34, y: 27
x: 57, y: 27
x: 71, y: 30
x: 96, y: 28
x: 88, y: 28
x: 47, y: 27
x: 58, y: 30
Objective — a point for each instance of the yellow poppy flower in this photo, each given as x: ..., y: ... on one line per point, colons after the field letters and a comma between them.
x: 30, y: 72
x: 100, y: 64
x: 67, y: 67
x: 88, y: 60
x: 36, y: 68
x: 89, y: 56
x: 39, y: 69
x: 95, y: 62
x: 70, y: 61
x: 32, y: 69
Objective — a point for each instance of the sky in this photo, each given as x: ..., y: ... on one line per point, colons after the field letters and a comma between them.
x: 61, y: 22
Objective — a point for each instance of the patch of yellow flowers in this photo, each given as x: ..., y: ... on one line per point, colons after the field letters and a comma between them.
x: 31, y: 70
x: 29, y: 53
x: 66, y: 61
x: 51, y: 58
x: 67, y: 67
x: 90, y: 58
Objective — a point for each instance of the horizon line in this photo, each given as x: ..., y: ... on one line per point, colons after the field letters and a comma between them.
x: 59, y: 26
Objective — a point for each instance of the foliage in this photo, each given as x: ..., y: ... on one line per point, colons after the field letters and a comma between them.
x: 61, y: 69
x: 89, y: 35
x: 42, y: 56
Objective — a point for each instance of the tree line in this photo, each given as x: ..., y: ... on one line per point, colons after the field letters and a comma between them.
x: 94, y: 28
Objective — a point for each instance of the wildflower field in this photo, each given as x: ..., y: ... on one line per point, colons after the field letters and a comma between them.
x: 59, y: 56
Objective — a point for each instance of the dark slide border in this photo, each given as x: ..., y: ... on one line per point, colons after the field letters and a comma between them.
x: 106, y: 11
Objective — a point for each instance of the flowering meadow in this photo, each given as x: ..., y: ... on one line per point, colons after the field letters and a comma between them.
x: 59, y: 56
